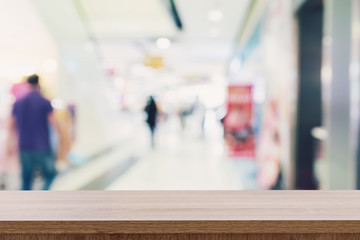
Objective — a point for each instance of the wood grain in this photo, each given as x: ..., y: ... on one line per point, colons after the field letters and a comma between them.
x: 182, y: 237
x: 179, y: 205
x: 180, y: 212
x: 170, y: 227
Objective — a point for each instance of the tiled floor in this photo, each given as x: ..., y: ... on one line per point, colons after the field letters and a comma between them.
x: 182, y: 159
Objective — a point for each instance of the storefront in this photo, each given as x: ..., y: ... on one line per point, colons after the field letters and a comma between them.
x: 267, y: 64
x: 309, y: 62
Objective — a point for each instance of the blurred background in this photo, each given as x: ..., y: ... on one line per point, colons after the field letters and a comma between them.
x: 245, y: 94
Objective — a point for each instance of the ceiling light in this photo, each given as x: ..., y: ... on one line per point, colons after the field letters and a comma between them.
x: 215, y: 15
x: 163, y: 43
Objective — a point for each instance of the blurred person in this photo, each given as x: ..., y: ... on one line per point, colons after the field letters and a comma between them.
x: 198, y: 109
x: 152, y: 112
x: 31, y: 116
x: 182, y: 113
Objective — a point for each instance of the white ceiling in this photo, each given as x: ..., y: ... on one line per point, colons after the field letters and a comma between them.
x: 197, y: 25
x: 124, y: 19
x: 125, y: 32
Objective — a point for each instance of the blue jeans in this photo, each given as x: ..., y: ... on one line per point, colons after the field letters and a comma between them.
x: 33, y: 161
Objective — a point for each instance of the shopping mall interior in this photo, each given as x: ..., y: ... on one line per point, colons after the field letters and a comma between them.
x: 183, y: 94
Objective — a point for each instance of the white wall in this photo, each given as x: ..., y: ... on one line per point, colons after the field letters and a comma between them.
x: 25, y: 44
x: 82, y: 80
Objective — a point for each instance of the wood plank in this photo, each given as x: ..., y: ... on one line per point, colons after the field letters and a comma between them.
x: 131, y: 212
x: 170, y: 227
x: 182, y: 237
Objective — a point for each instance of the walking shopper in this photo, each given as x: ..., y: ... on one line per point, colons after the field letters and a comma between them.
x: 152, y: 112
x: 31, y: 117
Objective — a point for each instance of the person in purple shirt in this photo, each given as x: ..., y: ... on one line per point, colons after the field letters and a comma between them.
x: 31, y: 118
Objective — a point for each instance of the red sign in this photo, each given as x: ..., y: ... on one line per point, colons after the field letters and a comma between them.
x: 238, y: 123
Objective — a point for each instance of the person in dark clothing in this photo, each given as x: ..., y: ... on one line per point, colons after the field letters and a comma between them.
x: 152, y: 112
x: 31, y: 116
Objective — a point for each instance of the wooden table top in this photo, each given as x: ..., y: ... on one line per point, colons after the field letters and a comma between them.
x: 182, y: 211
